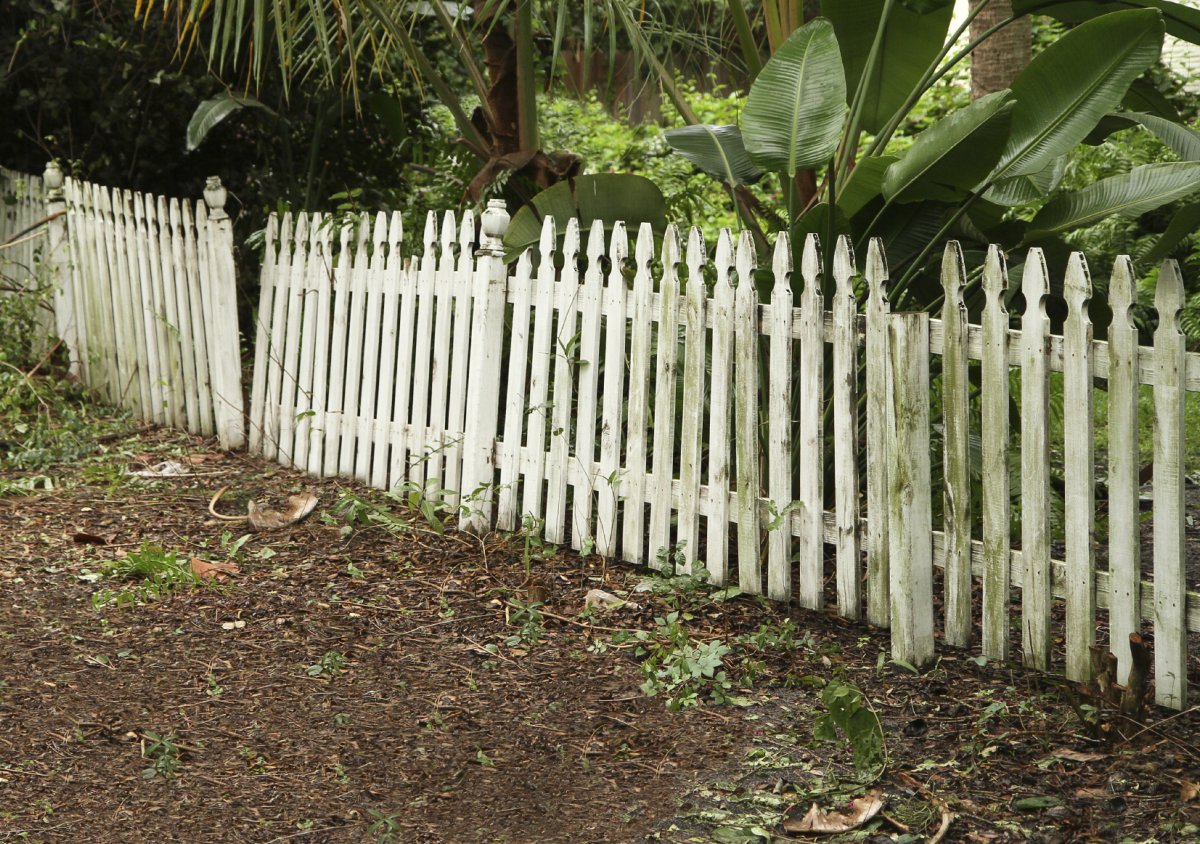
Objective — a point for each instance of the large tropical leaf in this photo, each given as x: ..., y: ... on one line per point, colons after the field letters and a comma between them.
x: 608, y: 197
x: 1029, y: 189
x: 865, y: 184
x: 1181, y: 20
x: 1128, y: 195
x: 717, y: 150
x: 1073, y: 83
x: 1184, y: 224
x: 797, y: 105
x: 212, y: 111
x: 912, y: 38
x: 1183, y: 140
x: 955, y: 154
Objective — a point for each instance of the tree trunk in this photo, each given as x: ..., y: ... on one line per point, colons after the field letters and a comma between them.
x: 996, y: 62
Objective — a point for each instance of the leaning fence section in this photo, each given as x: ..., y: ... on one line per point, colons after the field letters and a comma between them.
x: 23, y: 248
x: 693, y: 407
x: 149, y: 307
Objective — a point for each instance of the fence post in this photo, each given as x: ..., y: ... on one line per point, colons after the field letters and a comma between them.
x: 909, y: 501
x: 58, y: 263
x: 225, y: 344
x: 487, y: 338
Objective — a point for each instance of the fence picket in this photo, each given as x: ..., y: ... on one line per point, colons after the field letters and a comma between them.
x: 183, y: 300
x: 1035, y: 461
x: 564, y: 347
x: 692, y: 428
x: 191, y: 226
x: 745, y: 415
x: 718, y: 425
x: 1170, y: 550
x: 404, y: 373
x: 320, y: 275
x: 151, y: 304
x: 633, y: 479
x: 591, y: 302
x: 810, y: 542
x: 538, y: 407
x: 1124, y: 464
x: 306, y: 296
x: 994, y: 390
x: 663, y: 454
x: 845, y: 431
x: 508, y: 517
x: 609, y: 486
x: 390, y: 270
x: 440, y: 371
x: 164, y: 291
x: 457, y: 411
x: 293, y: 317
x: 360, y: 267
x: 779, y: 414
x: 373, y: 286
x: 1080, y: 473
x: 877, y: 308
x: 334, y: 420
x: 956, y: 461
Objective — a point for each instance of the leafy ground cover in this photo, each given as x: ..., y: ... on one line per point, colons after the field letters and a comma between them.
x: 366, y: 676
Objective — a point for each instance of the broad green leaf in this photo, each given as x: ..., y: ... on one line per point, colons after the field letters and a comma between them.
x: 1128, y: 195
x: 911, y: 41
x: 1073, y: 83
x: 865, y: 183
x: 390, y: 112
x: 1145, y: 97
x: 1184, y: 224
x: 212, y: 111
x: 1181, y: 20
x: 1182, y: 139
x: 605, y: 196
x: 1030, y: 189
x: 717, y: 150
x: 953, y: 155
x: 793, y: 117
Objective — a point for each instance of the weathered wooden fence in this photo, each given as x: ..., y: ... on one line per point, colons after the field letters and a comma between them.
x: 23, y: 241
x: 649, y: 415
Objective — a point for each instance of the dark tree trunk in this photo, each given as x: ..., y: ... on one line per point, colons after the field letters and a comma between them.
x: 996, y: 62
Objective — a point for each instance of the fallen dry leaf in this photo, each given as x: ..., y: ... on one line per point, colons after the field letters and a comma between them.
x: 219, y: 571
x: 1093, y: 793
x: 81, y: 537
x: 1189, y: 791
x: 862, y: 809
x: 202, y: 457
x: 299, y: 506
x: 1077, y: 755
x: 602, y: 600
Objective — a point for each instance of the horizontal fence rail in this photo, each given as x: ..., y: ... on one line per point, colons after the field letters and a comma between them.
x: 676, y: 406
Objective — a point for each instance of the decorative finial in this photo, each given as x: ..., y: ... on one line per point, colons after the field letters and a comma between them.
x: 492, y: 226
x: 214, y: 196
x: 52, y: 179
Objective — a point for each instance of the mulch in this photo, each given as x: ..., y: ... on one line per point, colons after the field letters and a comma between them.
x: 362, y: 684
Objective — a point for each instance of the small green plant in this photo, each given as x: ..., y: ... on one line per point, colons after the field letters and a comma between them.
x: 330, y: 664
x: 384, y: 828
x: 214, y: 689
x: 232, y: 548
x: 534, y: 547
x: 529, y: 623
x: 851, y: 713
x: 25, y: 486
x: 678, y: 669
x: 163, y: 753
x: 147, y: 574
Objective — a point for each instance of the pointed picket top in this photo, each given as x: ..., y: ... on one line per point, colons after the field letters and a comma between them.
x: 380, y: 239
x: 747, y: 261
x: 1035, y: 282
x: 1168, y: 295
x: 670, y: 250
x: 430, y: 237
x: 466, y: 233
x: 723, y: 259
x: 644, y: 249
x: 844, y: 269
x: 272, y: 235
x: 449, y: 233
x: 571, y: 244
x: 525, y: 265
x: 548, y: 241
x: 595, y: 243
x: 1077, y: 286
x: 877, y: 273
x: 781, y: 260
x: 314, y: 234
x: 618, y: 249
x: 810, y: 269
x: 395, y: 238
x: 953, y: 274
x: 1122, y: 290
x: 300, y: 233
x: 364, y: 236
x: 995, y: 276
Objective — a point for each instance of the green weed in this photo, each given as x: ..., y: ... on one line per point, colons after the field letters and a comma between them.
x: 147, y: 574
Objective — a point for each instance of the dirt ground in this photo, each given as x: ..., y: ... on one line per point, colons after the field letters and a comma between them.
x: 382, y: 682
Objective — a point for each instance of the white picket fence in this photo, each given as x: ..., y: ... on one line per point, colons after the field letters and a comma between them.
x: 150, y: 309
x: 647, y: 416
x: 23, y: 241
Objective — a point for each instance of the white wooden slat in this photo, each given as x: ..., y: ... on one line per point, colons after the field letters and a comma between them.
x: 956, y: 457
x: 109, y: 300
x: 423, y: 356
x: 877, y: 308
x: 164, y: 283
x: 1035, y: 465
x: 262, y: 332
x: 75, y: 247
x: 537, y: 409
x: 565, y: 351
x: 910, y: 517
x: 124, y: 347
x: 845, y: 431
x: 374, y: 281
x: 275, y: 334
x: 722, y: 306
x: 131, y: 281
x: 460, y: 363
x: 692, y: 426
x: 745, y: 415
x: 94, y: 351
x: 200, y: 327
x: 591, y: 301
x: 320, y: 298
x: 1124, y: 464
x: 306, y: 296
x: 360, y: 268
x: 810, y: 547
x: 633, y: 480
x: 609, y: 485
x: 173, y: 251
x: 507, y: 515
x: 994, y: 389
x: 779, y: 433
x: 342, y: 280
x: 663, y: 454
x: 1079, y: 461
x: 404, y: 372
x: 392, y: 273
x: 135, y: 386
x: 293, y: 319
x: 151, y: 306
x: 1170, y: 549
x: 440, y: 367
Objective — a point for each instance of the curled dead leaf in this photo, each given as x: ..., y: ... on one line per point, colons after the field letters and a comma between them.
x: 862, y: 809
x: 218, y: 571
x: 1189, y: 791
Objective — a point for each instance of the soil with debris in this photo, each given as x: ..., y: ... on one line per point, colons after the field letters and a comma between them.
x: 385, y: 682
